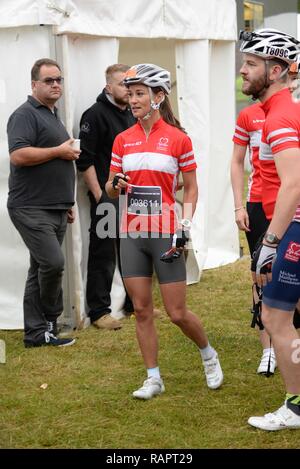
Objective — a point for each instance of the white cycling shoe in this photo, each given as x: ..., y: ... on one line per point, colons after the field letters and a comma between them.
x: 279, y: 420
x: 213, y: 372
x: 267, y: 363
x: 151, y: 387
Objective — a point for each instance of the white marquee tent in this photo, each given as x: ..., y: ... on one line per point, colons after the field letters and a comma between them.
x: 195, y: 39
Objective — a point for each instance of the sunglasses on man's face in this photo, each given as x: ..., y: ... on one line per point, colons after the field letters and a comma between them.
x: 50, y: 81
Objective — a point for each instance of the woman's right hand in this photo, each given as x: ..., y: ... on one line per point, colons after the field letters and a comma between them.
x: 120, y: 181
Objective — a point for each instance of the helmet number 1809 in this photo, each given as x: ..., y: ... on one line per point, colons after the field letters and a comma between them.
x: 276, y: 52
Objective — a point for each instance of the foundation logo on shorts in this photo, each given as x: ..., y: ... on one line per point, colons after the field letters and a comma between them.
x: 293, y: 252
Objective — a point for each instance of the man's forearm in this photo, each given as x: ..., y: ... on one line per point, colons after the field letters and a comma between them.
x: 31, y: 156
x: 237, y: 182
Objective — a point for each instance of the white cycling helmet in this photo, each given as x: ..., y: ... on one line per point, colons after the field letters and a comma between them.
x: 150, y: 75
x: 270, y: 44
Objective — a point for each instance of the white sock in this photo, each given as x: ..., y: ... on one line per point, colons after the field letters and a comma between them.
x: 269, y: 350
x: 208, y: 352
x: 153, y: 372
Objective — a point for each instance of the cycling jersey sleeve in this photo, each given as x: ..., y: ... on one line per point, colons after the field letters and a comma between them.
x: 117, y: 155
x: 281, y: 134
x: 186, y: 159
x: 241, y: 135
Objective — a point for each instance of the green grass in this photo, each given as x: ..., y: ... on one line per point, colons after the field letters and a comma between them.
x: 88, y: 402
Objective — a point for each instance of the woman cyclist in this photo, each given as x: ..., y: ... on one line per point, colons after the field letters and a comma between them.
x: 146, y: 160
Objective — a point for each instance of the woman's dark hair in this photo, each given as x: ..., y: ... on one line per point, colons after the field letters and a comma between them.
x: 166, y: 111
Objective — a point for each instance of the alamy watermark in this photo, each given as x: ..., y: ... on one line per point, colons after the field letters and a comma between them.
x: 144, y: 224
x: 296, y: 352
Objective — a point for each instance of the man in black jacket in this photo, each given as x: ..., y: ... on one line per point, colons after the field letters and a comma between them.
x: 99, y: 126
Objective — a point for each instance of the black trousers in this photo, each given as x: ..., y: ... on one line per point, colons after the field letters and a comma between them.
x: 103, y: 247
x: 258, y: 224
x: 43, y: 232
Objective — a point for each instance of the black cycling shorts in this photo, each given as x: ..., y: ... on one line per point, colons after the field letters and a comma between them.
x: 139, y: 255
x: 258, y: 224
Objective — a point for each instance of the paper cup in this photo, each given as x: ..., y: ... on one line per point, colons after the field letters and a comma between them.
x: 76, y: 144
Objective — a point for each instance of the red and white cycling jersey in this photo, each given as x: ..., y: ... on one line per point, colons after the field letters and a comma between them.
x: 248, y: 131
x: 280, y: 132
x: 153, y: 164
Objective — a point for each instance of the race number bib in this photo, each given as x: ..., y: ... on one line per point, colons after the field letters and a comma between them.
x: 144, y: 200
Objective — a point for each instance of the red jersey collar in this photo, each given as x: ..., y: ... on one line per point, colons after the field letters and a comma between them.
x: 276, y: 97
x: 158, y: 124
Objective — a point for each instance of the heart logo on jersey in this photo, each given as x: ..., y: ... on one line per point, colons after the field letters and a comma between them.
x: 163, y: 141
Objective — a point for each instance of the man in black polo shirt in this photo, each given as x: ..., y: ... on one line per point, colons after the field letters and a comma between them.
x: 40, y: 199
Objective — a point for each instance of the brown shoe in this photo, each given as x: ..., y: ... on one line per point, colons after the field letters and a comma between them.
x: 107, y: 322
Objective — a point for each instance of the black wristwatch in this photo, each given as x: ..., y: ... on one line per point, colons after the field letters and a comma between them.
x: 271, y: 238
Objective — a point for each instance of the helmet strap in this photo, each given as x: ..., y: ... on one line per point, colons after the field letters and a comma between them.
x: 284, y: 72
x: 268, y: 82
x: 153, y: 106
x: 148, y: 115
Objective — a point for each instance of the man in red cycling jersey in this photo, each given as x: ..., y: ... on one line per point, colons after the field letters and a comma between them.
x: 267, y: 55
x: 146, y: 161
x: 251, y: 218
